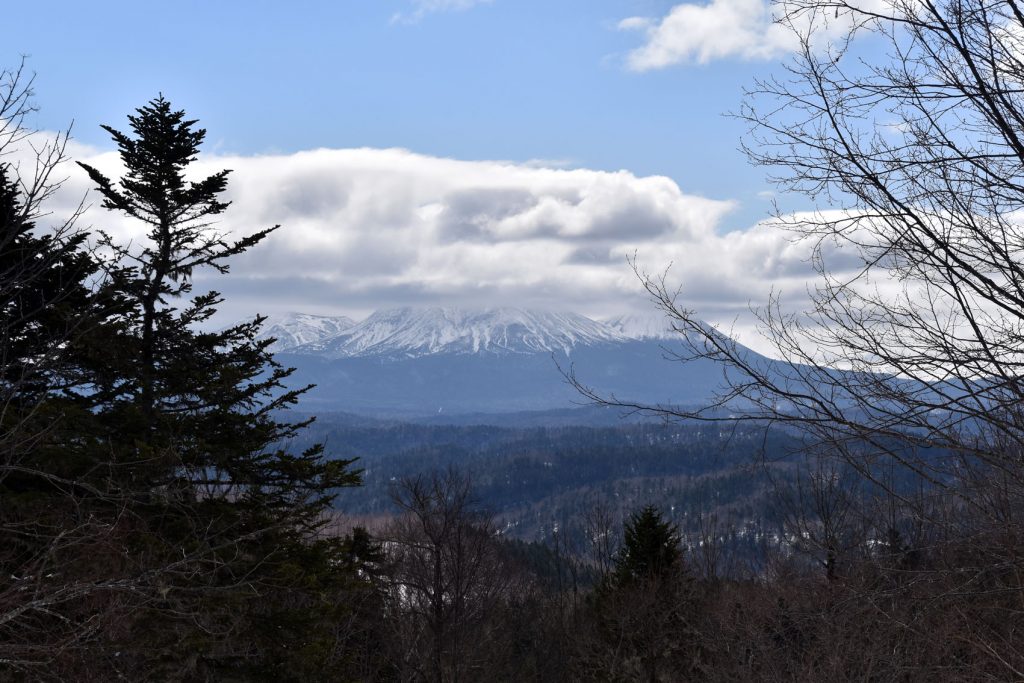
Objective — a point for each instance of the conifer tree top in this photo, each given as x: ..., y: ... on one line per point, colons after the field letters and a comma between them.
x: 162, y: 145
x: 651, y: 547
x: 154, y: 188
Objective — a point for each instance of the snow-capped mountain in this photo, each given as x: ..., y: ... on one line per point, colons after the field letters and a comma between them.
x: 295, y: 329
x: 409, y: 361
x: 411, y: 333
x: 647, y: 325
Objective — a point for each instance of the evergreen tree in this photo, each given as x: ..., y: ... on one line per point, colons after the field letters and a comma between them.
x: 644, y: 610
x: 226, y: 516
x: 57, y: 512
x: 43, y: 298
x: 43, y: 294
x: 651, y: 548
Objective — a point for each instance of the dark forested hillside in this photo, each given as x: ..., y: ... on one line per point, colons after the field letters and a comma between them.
x: 537, y: 480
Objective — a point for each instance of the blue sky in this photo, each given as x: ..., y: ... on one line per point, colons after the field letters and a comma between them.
x: 510, y: 79
x: 566, y: 89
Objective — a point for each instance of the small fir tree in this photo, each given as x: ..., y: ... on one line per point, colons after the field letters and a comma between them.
x: 644, y: 610
x: 651, y: 548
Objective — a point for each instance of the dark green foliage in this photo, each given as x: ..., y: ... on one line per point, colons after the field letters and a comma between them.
x: 225, y: 517
x: 650, y: 550
x: 643, y: 613
x: 44, y: 297
x: 45, y: 308
x: 199, y: 403
x: 50, y: 488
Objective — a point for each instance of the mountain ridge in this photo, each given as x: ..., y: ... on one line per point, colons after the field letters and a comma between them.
x: 408, y: 332
x: 448, y: 361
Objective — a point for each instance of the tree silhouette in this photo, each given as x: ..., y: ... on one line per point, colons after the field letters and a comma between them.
x: 194, y: 416
x: 650, y: 549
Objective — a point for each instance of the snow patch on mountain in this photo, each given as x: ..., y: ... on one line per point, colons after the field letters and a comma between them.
x: 647, y: 325
x: 410, y: 333
x: 295, y: 329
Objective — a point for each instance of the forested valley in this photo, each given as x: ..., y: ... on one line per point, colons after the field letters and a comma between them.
x: 543, y: 482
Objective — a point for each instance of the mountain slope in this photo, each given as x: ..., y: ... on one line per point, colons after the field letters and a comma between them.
x: 411, y: 333
x: 461, y: 383
x: 652, y: 325
x: 445, y: 361
x: 295, y: 329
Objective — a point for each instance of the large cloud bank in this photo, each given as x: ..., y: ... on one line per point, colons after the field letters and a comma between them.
x: 370, y: 228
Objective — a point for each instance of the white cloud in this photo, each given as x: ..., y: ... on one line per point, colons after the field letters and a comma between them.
x: 702, y: 33
x: 371, y: 228
x: 742, y: 29
x: 422, y: 8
